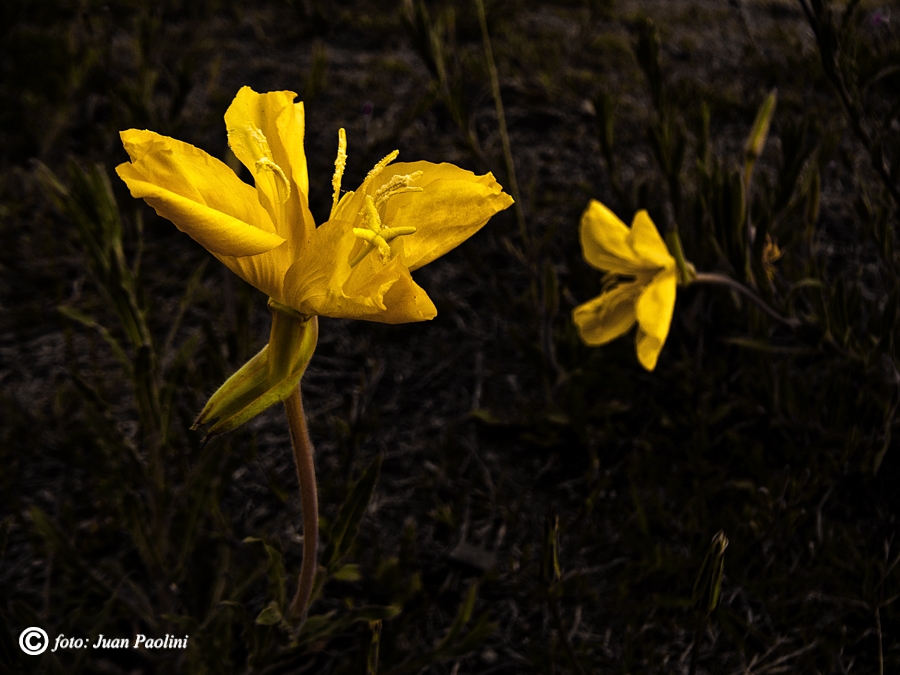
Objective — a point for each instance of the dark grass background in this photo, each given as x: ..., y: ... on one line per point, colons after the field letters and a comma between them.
x: 493, y: 420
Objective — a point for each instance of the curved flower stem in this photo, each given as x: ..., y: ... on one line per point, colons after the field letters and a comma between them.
x: 306, y: 473
x: 721, y: 279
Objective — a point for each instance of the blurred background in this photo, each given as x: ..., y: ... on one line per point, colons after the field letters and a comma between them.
x: 495, y: 495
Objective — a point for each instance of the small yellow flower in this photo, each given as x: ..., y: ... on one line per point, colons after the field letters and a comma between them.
x: 639, y: 285
x: 409, y: 213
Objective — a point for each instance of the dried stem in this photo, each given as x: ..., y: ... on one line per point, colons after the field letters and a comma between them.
x: 306, y: 473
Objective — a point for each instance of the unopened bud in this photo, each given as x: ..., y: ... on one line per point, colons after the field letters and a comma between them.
x: 708, y: 586
x: 269, y: 377
x: 760, y: 132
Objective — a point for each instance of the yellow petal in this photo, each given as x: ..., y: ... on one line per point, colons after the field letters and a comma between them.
x: 406, y: 302
x: 453, y: 205
x: 322, y: 267
x: 656, y: 303
x: 645, y: 241
x: 265, y: 272
x: 291, y: 125
x: 607, y: 316
x: 653, y: 311
x: 258, y: 113
x: 648, y: 349
x: 322, y: 282
x: 255, y: 121
x: 605, y: 241
x: 198, y: 193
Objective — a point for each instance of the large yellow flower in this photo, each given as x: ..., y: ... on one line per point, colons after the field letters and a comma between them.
x: 640, y: 284
x: 356, y: 265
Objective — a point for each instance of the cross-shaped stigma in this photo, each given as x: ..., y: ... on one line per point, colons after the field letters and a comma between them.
x: 375, y: 234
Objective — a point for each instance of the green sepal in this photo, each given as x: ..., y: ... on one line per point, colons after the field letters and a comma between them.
x: 267, y: 378
x: 686, y: 271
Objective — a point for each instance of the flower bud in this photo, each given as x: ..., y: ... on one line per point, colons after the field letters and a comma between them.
x: 267, y: 378
x: 756, y: 141
x: 708, y: 586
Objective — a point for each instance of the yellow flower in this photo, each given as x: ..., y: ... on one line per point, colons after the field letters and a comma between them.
x: 639, y: 287
x: 357, y: 265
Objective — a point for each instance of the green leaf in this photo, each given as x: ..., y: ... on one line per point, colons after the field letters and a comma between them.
x: 274, y: 569
x: 462, y: 618
x: 449, y: 646
x: 319, y: 627
x: 647, y: 52
x: 173, y: 380
x: 270, y: 615
x: 85, y: 320
x: 194, y: 284
x: 478, y: 633
x: 343, y: 533
x: 90, y: 204
x: 347, y: 573
x: 136, y: 517
x: 487, y: 417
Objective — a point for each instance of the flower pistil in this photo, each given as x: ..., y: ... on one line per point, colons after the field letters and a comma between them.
x: 375, y: 234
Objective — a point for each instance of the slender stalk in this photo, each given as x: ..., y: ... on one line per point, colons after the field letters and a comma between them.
x: 501, y: 121
x: 306, y: 474
x: 722, y: 280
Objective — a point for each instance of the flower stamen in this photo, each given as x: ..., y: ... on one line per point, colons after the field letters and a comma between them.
x: 251, y: 140
x: 397, y: 185
x: 282, y: 184
x: 378, y: 168
x: 340, y: 163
